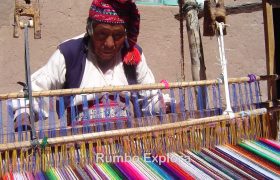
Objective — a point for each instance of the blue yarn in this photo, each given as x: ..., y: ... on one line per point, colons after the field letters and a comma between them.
x: 271, y: 148
x: 85, y: 119
x: 241, y: 98
x: 136, y: 104
x: 40, y: 175
x: 200, y: 101
x: 207, y: 106
x: 1, y: 124
x: 97, y: 106
x: 107, y: 112
x: 137, y: 109
x: 63, y: 122
x: 251, y: 95
x: 145, y: 106
x: 118, y: 110
x: 182, y: 103
x: 173, y: 105
x: 257, y: 94
x: 153, y: 106
x: 10, y: 123
x: 128, y: 110
x: 52, y: 131
x: 247, y: 96
x: 161, y: 110
x: 20, y: 133
x: 25, y: 110
x: 215, y: 99
x: 220, y: 100
x: 234, y: 98
x: 190, y: 102
x: 73, y: 114
x: 41, y: 117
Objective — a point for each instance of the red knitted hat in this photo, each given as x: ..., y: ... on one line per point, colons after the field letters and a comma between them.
x: 120, y: 12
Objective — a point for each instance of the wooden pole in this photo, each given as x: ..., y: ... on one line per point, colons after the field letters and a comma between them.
x: 196, y: 51
x: 269, y: 48
x: 75, y: 91
x: 271, y: 61
x: 276, y: 22
x: 182, y: 60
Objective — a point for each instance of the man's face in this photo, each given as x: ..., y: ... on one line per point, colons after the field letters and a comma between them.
x: 107, y: 40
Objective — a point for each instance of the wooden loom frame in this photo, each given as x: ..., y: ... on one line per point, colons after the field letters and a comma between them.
x: 129, y: 131
x: 267, y: 7
x: 131, y: 87
x: 270, y: 48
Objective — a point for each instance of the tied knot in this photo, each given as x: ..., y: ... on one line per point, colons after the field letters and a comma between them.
x: 166, y: 84
x: 252, y: 78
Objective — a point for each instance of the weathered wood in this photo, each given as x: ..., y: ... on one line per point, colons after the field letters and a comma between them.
x: 269, y: 46
x: 270, y: 64
x: 244, y: 8
x: 182, y: 61
x: 195, y: 45
x: 30, y: 10
x: 214, y: 11
x: 276, y: 22
x: 235, y: 9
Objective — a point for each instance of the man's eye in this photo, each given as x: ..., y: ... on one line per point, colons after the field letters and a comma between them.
x: 101, y: 36
x: 118, y: 36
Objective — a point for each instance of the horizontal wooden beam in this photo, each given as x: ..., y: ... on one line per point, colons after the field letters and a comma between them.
x: 275, y: 3
x: 244, y: 8
x: 235, y: 9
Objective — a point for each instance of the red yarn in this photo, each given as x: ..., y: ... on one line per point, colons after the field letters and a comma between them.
x: 132, y: 57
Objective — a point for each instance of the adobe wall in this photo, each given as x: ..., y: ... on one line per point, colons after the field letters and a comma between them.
x: 159, y: 39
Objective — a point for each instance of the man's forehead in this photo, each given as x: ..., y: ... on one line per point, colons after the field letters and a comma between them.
x: 111, y: 27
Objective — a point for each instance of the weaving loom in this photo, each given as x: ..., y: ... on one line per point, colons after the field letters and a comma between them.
x: 199, y: 124
x: 197, y: 138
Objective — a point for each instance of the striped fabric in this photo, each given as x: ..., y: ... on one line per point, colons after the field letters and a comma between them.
x: 247, y: 160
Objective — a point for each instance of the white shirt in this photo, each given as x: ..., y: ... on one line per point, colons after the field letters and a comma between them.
x: 52, y: 76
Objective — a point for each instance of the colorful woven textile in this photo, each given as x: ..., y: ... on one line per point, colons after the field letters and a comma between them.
x: 247, y: 160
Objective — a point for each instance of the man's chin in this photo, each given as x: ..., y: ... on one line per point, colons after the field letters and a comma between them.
x: 106, y: 58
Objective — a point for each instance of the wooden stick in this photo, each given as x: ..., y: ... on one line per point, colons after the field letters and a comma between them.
x: 269, y: 47
x: 67, y: 92
x: 128, y: 131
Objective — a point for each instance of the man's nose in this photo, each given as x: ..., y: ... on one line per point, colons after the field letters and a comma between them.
x: 110, y: 43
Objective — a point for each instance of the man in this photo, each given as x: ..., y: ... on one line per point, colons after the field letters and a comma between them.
x: 106, y: 55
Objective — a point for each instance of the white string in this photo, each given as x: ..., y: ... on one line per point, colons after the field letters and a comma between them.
x: 223, y: 60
